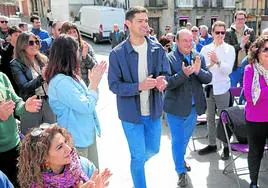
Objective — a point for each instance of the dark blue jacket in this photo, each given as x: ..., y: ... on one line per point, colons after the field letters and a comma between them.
x: 123, y: 79
x: 181, y: 89
x: 46, y: 45
x: 208, y: 39
x: 43, y: 34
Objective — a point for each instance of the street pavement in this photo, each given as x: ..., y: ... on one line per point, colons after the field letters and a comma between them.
x: 160, y: 171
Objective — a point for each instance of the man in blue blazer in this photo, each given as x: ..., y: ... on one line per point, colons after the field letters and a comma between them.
x: 136, y: 75
x: 184, y: 97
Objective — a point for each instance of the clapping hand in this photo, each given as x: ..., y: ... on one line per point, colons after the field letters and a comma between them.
x: 33, y: 104
x: 97, y: 180
x: 197, y: 64
x: 213, y: 57
x: 161, y: 83
x: 96, y: 73
x: 6, y: 109
x: 187, y: 70
x: 148, y: 83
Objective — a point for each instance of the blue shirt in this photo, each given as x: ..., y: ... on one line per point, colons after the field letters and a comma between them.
x: 74, y: 105
x: 4, y: 181
x: 123, y: 79
x: 43, y: 34
x: 188, y: 58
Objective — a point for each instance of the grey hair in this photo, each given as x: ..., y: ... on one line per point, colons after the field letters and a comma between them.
x: 203, y: 27
x: 184, y: 30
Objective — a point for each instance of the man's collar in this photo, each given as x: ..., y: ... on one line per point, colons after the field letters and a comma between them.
x: 151, y: 45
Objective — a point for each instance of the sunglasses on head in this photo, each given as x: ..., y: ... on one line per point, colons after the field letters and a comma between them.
x: 37, y: 132
x: 4, y: 21
x: 264, y: 50
x: 220, y: 32
x: 32, y: 42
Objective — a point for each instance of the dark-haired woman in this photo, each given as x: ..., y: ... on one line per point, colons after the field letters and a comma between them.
x: 27, y: 69
x: 71, y: 99
x: 87, y: 58
x: 256, y: 93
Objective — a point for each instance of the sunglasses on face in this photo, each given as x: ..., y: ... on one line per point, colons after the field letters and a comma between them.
x: 194, y: 30
x: 32, y: 42
x: 264, y: 50
x: 220, y: 32
x: 4, y: 22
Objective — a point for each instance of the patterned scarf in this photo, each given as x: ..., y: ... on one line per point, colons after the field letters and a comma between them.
x: 70, y: 178
x: 256, y: 88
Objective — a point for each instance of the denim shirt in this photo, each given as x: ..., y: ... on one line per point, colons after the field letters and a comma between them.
x: 74, y: 105
x: 123, y: 79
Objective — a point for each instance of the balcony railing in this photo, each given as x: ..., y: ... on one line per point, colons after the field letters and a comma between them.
x: 229, y: 3
x: 217, y: 3
x: 160, y: 4
x: 185, y: 3
x: 202, y: 3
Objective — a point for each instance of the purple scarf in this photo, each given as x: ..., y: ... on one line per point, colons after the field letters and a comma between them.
x: 71, y: 176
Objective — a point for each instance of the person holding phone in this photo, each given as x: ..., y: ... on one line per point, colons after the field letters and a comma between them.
x: 240, y: 36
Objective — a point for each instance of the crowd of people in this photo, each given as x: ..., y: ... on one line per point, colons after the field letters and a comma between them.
x: 49, y: 92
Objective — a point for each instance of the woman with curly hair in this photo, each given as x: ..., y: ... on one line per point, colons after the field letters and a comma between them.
x: 48, y: 159
x: 256, y: 94
x: 87, y: 55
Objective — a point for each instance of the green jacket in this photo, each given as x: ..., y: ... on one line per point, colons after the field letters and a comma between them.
x: 9, y: 137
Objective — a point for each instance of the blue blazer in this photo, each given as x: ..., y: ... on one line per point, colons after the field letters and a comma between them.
x: 182, y: 89
x: 123, y: 79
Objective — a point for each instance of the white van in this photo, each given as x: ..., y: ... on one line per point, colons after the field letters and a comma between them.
x: 97, y: 22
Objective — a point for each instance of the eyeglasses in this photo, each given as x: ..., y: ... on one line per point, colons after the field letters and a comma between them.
x: 32, y: 42
x: 264, y: 50
x: 194, y: 30
x: 37, y: 132
x: 3, y: 21
x: 220, y: 32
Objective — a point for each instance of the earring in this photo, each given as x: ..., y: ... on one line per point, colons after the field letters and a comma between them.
x: 47, y: 167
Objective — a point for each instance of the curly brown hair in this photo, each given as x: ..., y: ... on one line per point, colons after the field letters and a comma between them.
x: 33, y: 153
x: 255, y: 48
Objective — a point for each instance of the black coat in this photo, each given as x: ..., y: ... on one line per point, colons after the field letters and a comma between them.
x: 23, y: 77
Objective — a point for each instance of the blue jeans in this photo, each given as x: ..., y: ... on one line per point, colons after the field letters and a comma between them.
x: 181, y: 129
x: 143, y: 142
